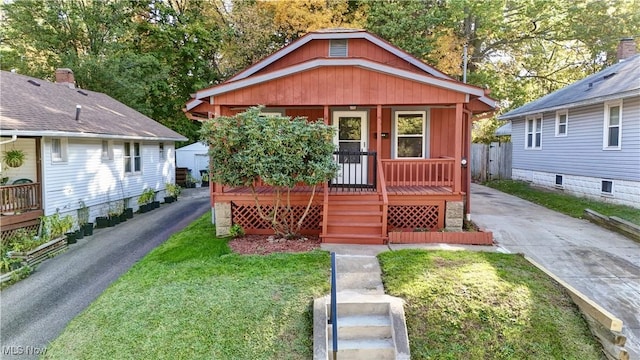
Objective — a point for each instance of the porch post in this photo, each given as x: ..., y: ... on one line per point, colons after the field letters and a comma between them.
x: 467, y: 146
x: 379, y: 130
x: 326, y: 114
x: 215, y: 187
x: 457, y: 167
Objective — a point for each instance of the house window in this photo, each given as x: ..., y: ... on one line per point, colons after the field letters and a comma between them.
x: 562, y: 122
x: 607, y: 187
x: 107, y: 150
x: 612, y: 125
x: 132, y: 159
x: 338, y: 48
x: 559, y: 180
x: 533, y: 133
x: 161, y: 151
x: 410, y: 131
x: 58, y: 150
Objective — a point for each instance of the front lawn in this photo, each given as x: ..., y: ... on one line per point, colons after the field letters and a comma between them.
x: 467, y: 305
x: 192, y: 299
x: 567, y: 204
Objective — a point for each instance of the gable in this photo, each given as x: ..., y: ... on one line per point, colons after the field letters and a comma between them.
x: 337, y: 85
x: 356, y: 48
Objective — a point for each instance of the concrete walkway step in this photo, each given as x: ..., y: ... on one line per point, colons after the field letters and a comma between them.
x: 366, y: 349
x: 362, y: 327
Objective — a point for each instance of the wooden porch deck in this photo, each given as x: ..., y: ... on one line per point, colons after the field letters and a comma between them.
x: 301, y: 190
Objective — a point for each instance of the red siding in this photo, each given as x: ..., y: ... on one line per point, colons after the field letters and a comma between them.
x: 442, y: 132
x: 357, y: 48
x: 342, y: 85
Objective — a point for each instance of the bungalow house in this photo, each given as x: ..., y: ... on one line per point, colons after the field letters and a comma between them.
x: 79, y: 145
x: 584, y: 138
x: 402, y: 134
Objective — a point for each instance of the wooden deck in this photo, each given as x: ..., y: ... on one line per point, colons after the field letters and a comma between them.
x: 301, y: 190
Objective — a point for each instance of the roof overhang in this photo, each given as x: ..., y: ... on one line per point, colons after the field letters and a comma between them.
x: 327, y: 62
x: 334, y: 36
x: 193, y: 103
x: 70, y: 134
x: 595, y: 100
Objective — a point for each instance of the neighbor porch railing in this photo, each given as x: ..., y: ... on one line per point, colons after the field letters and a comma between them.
x: 419, y: 172
x: 19, y: 198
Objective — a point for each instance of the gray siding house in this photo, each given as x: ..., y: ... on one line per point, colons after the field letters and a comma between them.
x: 585, y: 137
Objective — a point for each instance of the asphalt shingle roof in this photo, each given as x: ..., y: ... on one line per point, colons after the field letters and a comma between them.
x: 26, y: 107
x: 620, y: 78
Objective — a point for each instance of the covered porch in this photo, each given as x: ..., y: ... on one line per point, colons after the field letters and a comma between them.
x: 21, y: 188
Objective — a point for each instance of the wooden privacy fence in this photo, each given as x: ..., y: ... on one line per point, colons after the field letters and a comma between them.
x: 491, y: 162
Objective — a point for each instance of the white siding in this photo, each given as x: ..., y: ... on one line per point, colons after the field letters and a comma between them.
x: 85, y: 176
x: 580, y: 153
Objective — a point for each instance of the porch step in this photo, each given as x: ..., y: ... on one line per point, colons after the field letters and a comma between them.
x: 364, y: 239
x: 355, y: 229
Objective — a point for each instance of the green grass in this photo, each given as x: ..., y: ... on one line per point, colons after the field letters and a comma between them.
x: 464, y: 305
x: 567, y: 204
x: 191, y: 298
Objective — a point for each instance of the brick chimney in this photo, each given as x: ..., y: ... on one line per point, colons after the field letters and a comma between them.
x: 65, y: 76
x: 626, y: 48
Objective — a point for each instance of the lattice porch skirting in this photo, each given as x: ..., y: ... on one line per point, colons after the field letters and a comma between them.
x: 415, y: 217
x: 247, y: 216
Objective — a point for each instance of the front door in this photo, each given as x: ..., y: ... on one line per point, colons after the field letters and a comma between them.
x: 351, y: 140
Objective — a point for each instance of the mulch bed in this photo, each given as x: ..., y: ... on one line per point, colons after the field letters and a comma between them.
x: 267, y: 244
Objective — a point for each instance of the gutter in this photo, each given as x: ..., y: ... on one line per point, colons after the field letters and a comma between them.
x: 13, y: 139
x: 51, y: 133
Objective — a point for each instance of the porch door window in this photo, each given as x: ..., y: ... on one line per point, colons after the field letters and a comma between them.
x: 411, y: 134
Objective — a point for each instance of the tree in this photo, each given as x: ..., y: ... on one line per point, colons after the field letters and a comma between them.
x: 521, y: 49
x: 279, y: 151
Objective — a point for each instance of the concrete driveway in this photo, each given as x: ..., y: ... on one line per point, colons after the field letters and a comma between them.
x: 602, y: 264
x: 34, y: 311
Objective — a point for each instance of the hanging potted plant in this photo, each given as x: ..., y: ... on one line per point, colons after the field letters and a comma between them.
x: 13, y: 158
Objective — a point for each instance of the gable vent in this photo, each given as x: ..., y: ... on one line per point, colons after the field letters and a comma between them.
x: 338, y: 48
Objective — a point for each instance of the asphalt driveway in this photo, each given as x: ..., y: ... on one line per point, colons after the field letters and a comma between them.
x: 34, y: 311
x: 601, y: 264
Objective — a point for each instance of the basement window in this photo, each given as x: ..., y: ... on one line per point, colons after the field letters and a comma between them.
x: 338, y: 48
x: 607, y: 187
x: 559, y: 180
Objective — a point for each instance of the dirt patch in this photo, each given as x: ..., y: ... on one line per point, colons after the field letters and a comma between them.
x: 267, y: 244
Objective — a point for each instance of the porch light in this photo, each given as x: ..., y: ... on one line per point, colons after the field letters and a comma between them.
x: 352, y: 107
x: 463, y: 162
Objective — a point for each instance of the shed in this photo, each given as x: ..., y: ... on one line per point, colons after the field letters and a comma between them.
x: 195, y: 157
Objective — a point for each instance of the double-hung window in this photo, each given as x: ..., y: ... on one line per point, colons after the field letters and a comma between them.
x: 533, y: 128
x: 410, y: 134
x: 612, y: 139
x: 107, y: 150
x: 58, y: 150
x: 562, y: 122
x: 132, y: 158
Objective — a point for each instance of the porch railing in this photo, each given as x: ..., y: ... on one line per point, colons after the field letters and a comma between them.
x: 419, y: 172
x: 19, y: 198
x: 356, y: 170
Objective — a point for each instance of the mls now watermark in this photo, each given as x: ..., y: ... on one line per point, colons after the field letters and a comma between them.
x: 23, y: 350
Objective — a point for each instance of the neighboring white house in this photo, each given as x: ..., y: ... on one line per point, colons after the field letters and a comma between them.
x: 80, y: 145
x: 194, y: 157
x: 585, y: 137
